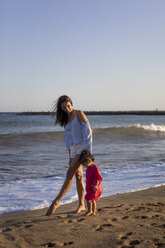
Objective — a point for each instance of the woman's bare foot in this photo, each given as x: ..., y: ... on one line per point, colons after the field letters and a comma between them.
x: 80, y: 209
x: 52, y: 208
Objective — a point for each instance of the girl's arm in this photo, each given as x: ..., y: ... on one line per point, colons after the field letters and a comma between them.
x: 95, y: 187
x: 97, y: 177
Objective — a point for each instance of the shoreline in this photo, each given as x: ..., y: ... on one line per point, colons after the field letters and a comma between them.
x: 133, y: 219
x: 74, y: 202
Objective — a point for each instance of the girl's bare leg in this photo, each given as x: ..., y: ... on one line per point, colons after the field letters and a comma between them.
x: 89, y: 212
x: 94, y: 207
x: 80, y: 189
x: 66, y: 185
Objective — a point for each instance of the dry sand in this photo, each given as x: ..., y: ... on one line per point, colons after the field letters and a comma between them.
x: 125, y: 220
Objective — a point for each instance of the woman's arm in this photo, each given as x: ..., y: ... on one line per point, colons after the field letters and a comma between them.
x: 81, y: 116
x: 86, y: 130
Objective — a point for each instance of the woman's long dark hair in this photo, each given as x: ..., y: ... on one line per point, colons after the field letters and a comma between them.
x: 61, y: 115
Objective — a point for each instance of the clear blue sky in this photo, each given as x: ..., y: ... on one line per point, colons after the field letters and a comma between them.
x: 104, y: 54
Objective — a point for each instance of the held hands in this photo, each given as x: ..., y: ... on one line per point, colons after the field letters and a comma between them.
x: 70, y: 161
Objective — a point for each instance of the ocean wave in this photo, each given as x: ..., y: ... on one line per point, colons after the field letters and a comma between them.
x: 152, y: 127
x: 136, y: 129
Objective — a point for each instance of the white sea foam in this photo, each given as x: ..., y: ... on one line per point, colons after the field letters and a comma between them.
x: 152, y: 127
x: 38, y: 193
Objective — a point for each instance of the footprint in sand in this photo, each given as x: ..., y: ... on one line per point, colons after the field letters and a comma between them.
x: 64, y: 216
x: 141, y: 217
x: 160, y: 245
x: 114, y: 219
x: 125, y: 217
x: 105, y: 210
x: 137, y: 209
x: 79, y: 220
x: 130, y: 244
x: 125, y: 242
x: 111, y: 207
x: 155, y: 216
x: 74, y: 220
x: 57, y: 244
x: 68, y: 243
x: 162, y: 226
x: 156, y: 204
x: 134, y: 242
x: 153, y: 224
x: 25, y: 224
x: 107, y: 225
x: 28, y: 226
x: 7, y: 229
x: 101, y: 227
x: 71, y: 221
x: 99, y: 209
x: 125, y: 236
x: 9, y: 237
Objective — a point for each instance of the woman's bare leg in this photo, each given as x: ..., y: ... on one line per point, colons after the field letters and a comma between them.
x: 80, y: 189
x: 66, y: 185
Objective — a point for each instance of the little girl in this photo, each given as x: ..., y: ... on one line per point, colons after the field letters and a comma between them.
x: 93, y: 181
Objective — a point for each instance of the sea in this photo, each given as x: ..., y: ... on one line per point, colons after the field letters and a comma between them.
x: 129, y: 150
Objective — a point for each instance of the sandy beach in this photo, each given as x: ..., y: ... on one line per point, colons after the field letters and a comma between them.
x: 128, y: 220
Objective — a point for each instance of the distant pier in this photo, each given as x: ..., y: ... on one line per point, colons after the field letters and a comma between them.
x: 134, y: 112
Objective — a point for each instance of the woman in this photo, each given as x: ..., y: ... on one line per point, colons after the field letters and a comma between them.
x: 78, y: 136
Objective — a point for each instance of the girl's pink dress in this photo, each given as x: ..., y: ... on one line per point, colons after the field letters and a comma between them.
x: 92, y: 177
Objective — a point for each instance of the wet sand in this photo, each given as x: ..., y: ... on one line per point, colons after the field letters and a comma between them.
x: 127, y: 220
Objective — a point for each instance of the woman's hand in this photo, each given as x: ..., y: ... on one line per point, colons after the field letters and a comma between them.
x: 70, y: 160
